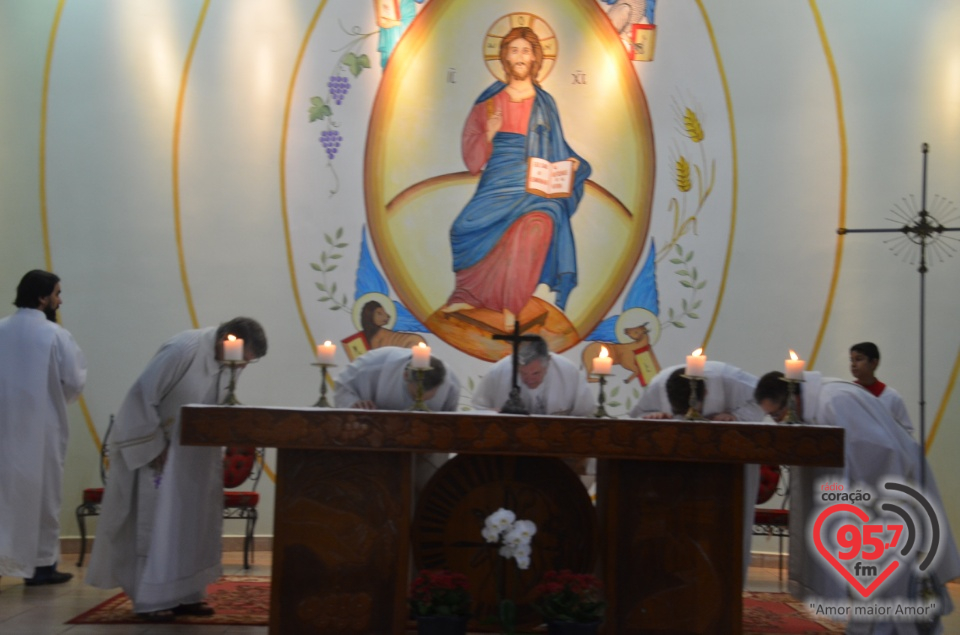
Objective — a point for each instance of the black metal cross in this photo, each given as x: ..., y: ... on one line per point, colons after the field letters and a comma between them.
x: 514, y: 405
x: 922, y: 230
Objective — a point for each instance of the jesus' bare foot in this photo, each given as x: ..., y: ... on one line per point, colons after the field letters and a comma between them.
x: 457, y: 306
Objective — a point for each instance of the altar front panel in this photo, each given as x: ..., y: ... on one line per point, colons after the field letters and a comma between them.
x: 340, y: 542
x: 672, y: 546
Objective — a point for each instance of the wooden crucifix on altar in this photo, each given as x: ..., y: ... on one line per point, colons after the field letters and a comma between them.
x: 514, y: 405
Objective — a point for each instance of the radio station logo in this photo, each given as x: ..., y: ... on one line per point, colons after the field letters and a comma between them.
x: 867, y: 551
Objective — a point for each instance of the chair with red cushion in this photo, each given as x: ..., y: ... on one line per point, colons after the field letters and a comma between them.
x: 773, y: 521
x: 93, y: 496
x: 242, y: 465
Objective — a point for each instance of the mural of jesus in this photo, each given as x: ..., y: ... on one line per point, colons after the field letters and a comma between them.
x: 508, y: 240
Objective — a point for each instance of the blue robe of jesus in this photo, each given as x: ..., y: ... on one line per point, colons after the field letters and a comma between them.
x: 501, y: 197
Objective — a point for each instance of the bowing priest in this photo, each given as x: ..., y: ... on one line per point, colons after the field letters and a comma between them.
x: 726, y: 394
x: 381, y: 380
x: 160, y: 528
x: 41, y: 370
x: 876, y: 450
x: 549, y: 384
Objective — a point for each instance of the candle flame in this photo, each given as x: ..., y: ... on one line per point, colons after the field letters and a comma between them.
x: 327, y: 343
x: 603, y: 352
x: 793, y: 355
x: 698, y: 352
x: 231, y: 338
x: 422, y: 345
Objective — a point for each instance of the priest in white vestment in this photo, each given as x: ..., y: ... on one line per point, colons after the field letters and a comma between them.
x: 877, y: 450
x: 159, y: 534
x: 550, y: 384
x: 728, y: 396
x: 41, y: 370
x: 380, y: 380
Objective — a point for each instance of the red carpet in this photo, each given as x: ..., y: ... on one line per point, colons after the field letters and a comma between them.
x: 245, y: 601
x: 780, y: 614
x: 237, y: 600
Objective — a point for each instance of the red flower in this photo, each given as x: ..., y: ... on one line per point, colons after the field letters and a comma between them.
x: 565, y: 596
x: 439, y: 592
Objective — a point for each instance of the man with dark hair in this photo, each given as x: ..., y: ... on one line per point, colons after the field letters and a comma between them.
x: 549, y: 383
x: 726, y: 394
x: 864, y: 359
x: 508, y: 239
x: 41, y: 370
x: 159, y: 535
x: 381, y: 380
x: 876, y: 448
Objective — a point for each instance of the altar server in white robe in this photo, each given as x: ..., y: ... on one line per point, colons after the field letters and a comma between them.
x: 864, y: 359
x: 876, y: 449
x: 727, y: 396
x: 159, y: 534
x: 549, y: 383
x: 41, y: 370
x: 381, y: 380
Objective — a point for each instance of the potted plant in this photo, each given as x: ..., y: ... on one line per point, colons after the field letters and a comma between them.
x: 512, y: 539
x: 440, y: 602
x: 569, y: 602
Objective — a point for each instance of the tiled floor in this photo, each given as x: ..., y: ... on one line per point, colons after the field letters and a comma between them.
x: 43, y: 610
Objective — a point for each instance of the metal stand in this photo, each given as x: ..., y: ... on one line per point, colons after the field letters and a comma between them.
x: 322, y: 402
x: 601, y: 398
x: 514, y: 405
x: 694, y: 405
x: 231, y: 398
x: 923, y: 230
x: 418, y: 404
x: 792, y: 416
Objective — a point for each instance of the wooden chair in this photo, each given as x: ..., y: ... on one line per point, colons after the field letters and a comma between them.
x: 93, y: 496
x: 242, y: 465
x: 773, y: 521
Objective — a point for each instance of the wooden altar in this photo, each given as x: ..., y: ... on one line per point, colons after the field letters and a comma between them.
x: 668, y: 518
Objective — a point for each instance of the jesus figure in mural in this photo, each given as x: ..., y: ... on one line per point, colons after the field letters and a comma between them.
x: 507, y: 240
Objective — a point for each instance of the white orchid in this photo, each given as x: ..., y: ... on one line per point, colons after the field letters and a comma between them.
x: 521, y: 533
x: 490, y: 534
x: 500, y: 520
x: 514, y: 536
x: 522, y: 551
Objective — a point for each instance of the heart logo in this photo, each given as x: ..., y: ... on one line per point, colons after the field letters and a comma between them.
x: 829, y: 557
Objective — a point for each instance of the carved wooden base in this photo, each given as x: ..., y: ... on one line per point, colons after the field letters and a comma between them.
x: 672, y: 546
x: 340, y: 562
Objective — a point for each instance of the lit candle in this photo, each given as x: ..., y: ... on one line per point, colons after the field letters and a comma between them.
x: 602, y: 364
x: 794, y: 366
x: 421, y: 356
x: 695, y: 363
x: 233, y: 349
x: 325, y: 352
